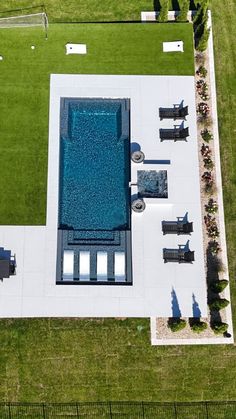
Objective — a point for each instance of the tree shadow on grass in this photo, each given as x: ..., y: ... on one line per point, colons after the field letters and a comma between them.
x: 156, y: 5
x: 175, y: 5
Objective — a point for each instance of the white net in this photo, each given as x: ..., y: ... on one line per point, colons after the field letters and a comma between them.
x: 36, y: 19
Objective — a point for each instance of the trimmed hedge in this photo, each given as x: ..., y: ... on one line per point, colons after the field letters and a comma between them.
x: 219, y: 285
x: 218, y: 304
x: 199, y: 326
x: 219, y: 328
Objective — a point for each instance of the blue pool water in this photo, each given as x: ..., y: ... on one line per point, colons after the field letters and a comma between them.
x: 94, y: 165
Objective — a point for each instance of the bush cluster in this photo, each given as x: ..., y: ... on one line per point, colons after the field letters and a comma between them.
x: 198, y: 326
x: 219, y: 285
x: 219, y: 328
x: 218, y: 304
x: 206, y: 135
x: 176, y: 324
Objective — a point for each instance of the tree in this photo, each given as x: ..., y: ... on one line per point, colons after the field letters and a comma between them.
x: 184, y: 8
x: 203, y: 42
x: 163, y: 15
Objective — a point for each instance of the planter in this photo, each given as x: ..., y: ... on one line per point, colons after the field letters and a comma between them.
x: 137, y: 156
x: 138, y: 205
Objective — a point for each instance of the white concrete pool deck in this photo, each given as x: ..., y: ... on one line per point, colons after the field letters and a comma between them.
x: 33, y: 291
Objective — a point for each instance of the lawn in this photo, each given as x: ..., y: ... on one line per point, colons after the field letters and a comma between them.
x: 82, y: 10
x: 24, y: 80
x: 66, y: 360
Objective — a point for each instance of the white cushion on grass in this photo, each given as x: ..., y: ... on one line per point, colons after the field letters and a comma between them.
x: 76, y: 49
x: 177, y: 46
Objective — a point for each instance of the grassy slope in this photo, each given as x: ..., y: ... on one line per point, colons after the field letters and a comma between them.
x: 64, y: 360
x: 68, y: 360
x: 85, y: 10
x: 225, y: 60
x: 24, y: 81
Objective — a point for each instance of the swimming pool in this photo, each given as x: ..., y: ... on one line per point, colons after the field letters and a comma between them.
x: 94, y: 164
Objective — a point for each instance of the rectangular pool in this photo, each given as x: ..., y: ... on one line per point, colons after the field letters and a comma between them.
x: 94, y: 164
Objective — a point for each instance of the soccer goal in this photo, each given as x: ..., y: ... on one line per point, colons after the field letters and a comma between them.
x: 35, y: 19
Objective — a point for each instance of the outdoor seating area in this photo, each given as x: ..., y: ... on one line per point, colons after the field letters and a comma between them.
x: 175, y: 134
x: 177, y: 112
x: 177, y: 227
x: 181, y: 255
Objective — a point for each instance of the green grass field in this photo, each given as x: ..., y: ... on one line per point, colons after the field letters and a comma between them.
x: 24, y: 80
x: 66, y: 360
x: 82, y: 10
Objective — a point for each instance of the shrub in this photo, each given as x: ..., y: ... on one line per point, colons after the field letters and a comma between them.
x: 200, y: 58
x: 184, y: 8
x: 211, y: 207
x: 208, y: 163
x: 218, y: 304
x: 219, y: 285
x: 206, y: 135
x: 214, y: 247
x: 163, y: 15
x: 219, y: 328
x: 202, y: 71
x: 210, y: 188
x: 198, y: 326
x: 176, y: 324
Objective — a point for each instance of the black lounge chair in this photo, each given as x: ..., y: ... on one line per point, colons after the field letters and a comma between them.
x: 175, y: 134
x: 180, y: 255
x: 177, y: 227
x: 176, y: 112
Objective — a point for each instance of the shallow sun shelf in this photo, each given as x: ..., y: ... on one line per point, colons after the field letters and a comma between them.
x: 101, y: 266
x: 68, y: 264
x: 177, y: 46
x: 119, y: 269
x: 76, y: 49
x: 84, y: 266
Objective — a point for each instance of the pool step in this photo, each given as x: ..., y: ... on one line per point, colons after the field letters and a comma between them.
x: 93, y: 237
